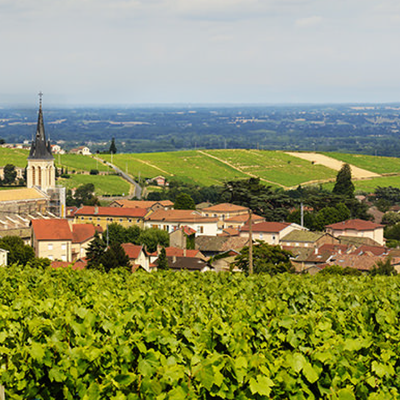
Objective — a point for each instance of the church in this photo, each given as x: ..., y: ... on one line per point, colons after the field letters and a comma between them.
x: 42, y: 198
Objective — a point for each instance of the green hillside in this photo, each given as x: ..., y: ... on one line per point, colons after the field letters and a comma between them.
x: 17, y: 157
x: 213, y: 167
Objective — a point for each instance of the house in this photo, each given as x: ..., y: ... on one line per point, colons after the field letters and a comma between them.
x: 102, y: 216
x: 137, y: 256
x: 82, y: 235
x: 299, y: 238
x: 52, y: 238
x: 238, y: 221
x: 182, y: 237
x: 357, y: 228
x: 269, y: 232
x: 211, y: 245
x: 56, y: 149
x: 187, y: 263
x: 159, y: 181
x: 3, y: 257
x: 83, y: 150
x: 170, y: 220
x: 364, y: 262
x: 225, y: 211
x: 147, y: 204
x: 175, y: 252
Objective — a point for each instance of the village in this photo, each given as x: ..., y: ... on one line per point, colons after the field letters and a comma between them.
x: 206, y: 238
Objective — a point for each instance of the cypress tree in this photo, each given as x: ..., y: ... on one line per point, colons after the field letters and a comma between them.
x: 344, y: 186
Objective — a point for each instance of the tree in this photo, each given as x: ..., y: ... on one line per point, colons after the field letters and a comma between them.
x: 9, y: 174
x: 152, y: 237
x: 84, y: 194
x: 113, y: 147
x: 384, y: 268
x: 344, y: 186
x: 338, y: 270
x: 19, y: 252
x: 95, y: 252
x: 115, y: 257
x: 162, y: 263
x: 184, y: 202
x: 266, y: 259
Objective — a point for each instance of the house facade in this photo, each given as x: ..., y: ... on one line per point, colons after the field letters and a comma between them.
x: 172, y: 220
x: 103, y: 216
x: 357, y: 228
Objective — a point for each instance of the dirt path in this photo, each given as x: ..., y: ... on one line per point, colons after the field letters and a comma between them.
x: 357, y: 173
x: 155, y: 167
x: 238, y: 169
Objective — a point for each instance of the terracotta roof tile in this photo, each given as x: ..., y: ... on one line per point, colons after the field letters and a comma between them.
x: 179, y: 216
x: 244, y: 218
x: 51, y: 229
x: 112, y: 211
x: 82, y: 232
x: 266, y: 227
x: 225, y: 207
x: 132, y: 250
x: 143, y: 203
x: 355, y: 224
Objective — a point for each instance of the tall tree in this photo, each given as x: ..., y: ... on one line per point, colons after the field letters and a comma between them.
x: 162, y: 263
x: 266, y: 258
x: 9, y: 174
x: 151, y: 237
x: 184, y: 202
x: 113, y: 147
x: 115, y: 257
x: 344, y: 186
x: 19, y: 252
x: 95, y: 251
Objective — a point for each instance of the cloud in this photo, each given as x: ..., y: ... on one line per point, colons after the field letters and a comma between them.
x: 309, y: 21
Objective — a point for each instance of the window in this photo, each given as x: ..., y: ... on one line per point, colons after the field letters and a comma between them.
x: 200, y: 229
x: 82, y: 218
x: 120, y: 220
x: 130, y: 220
x: 64, y: 257
x: 50, y: 257
x: 261, y: 237
x: 98, y: 219
x: 64, y: 246
x: 50, y: 246
x: 90, y: 218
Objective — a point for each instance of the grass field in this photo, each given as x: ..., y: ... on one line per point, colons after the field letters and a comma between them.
x: 104, y: 184
x: 213, y: 167
x: 78, y: 162
x: 188, y: 166
x: 17, y: 157
x: 380, y: 165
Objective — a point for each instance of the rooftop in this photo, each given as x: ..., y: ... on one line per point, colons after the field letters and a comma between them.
x: 21, y: 194
x: 51, y: 229
x: 266, y: 227
x: 225, y: 207
x: 82, y: 232
x: 303, y: 236
x: 355, y: 224
x: 112, y: 211
x: 179, y: 216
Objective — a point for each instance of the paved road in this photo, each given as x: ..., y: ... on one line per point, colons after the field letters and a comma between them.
x: 138, y: 189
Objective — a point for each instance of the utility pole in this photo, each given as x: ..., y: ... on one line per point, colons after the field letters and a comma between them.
x: 301, y: 214
x: 250, y: 244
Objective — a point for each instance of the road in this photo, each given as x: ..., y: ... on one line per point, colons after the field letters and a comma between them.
x: 138, y: 189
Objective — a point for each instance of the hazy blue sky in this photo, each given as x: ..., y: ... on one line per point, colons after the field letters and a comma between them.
x: 199, y: 51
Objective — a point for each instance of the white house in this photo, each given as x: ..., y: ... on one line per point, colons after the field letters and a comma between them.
x: 170, y: 220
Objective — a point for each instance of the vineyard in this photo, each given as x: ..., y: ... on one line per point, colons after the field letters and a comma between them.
x: 88, y: 335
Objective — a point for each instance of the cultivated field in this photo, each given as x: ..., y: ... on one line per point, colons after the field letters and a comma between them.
x: 379, y: 165
x: 17, y: 157
x: 78, y: 162
x: 213, y: 167
x: 104, y: 184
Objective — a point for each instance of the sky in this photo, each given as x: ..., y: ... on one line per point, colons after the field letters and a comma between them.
x: 199, y: 51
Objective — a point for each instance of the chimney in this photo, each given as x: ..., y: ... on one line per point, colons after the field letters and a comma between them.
x: 184, y: 252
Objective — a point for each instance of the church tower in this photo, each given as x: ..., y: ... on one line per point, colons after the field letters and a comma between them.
x: 41, y: 172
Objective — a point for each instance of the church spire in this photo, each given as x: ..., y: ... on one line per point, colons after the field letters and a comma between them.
x: 39, y: 148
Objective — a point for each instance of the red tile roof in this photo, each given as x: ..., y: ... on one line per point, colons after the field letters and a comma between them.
x: 375, y: 250
x: 112, y: 211
x: 132, y: 250
x: 177, y: 252
x: 178, y: 216
x: 355, y: 224
x: 51, y: 229
x: 225, y: 207
x: 365, y: 262
x: 244, y: 218
x: 143, y: 203
x: 271, y: 227
x: 82, y: 232
x: 77, y: 265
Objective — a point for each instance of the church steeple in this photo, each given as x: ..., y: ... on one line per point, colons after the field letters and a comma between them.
x: 40, y: 149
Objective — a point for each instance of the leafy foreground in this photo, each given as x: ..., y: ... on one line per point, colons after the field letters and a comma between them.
x: 89, y: 335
